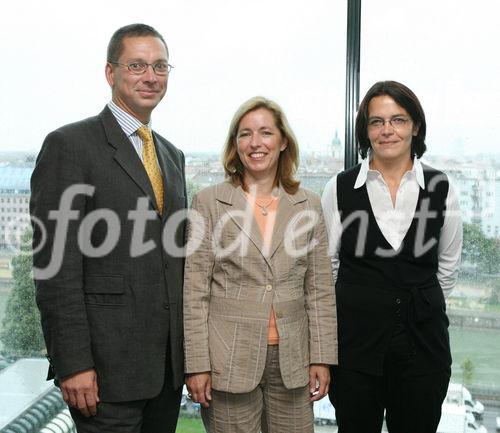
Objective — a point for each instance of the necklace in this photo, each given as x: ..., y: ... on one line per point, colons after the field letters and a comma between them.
x: 263, y: 206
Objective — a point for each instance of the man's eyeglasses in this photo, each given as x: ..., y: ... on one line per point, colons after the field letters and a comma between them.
x: 139, y: 68
x: 397, y: 122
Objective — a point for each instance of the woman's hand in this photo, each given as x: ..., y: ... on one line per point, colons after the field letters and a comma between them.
x: 199, y: 386
x: 319, y: 381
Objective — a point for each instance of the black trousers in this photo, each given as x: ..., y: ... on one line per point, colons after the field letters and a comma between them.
x: 155, y: 415
x: 412, y: 403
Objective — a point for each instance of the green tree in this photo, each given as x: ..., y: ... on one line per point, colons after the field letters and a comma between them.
x: 494, y: 298
x: 472, y: 244
x: 467, y: 367
x: 480, y: 252
x: 22, y: 334
x: 192, y: 188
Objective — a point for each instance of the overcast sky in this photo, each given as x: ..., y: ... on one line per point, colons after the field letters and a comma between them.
x: 227, y: 51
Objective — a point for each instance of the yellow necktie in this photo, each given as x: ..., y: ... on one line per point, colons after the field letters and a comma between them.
x: 151, y: 164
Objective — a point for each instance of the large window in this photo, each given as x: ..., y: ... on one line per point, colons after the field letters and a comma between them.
x: 224, y: 52
x: 446, y: 54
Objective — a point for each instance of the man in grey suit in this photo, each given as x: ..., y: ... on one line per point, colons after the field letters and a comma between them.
x: 107, y: 267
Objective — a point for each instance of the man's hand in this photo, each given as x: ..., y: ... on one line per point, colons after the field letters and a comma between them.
x: 319, y: 381
x: 79, y: 390
x: 199, y: 386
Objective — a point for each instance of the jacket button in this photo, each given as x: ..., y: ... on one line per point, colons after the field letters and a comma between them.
x: 165, y: 265
x: 269, y: 287
x: 279, y: 314
x: 398, y: 301
x: 166, y: 305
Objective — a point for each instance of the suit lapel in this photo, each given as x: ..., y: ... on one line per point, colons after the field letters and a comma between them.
x: 168, y: 171
x: 125, y: 154
x: 236, y: 205
x: 240, y: 211
x: 286, y: 209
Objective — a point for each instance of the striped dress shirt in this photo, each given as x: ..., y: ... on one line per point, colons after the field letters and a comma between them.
x: 129, y: 125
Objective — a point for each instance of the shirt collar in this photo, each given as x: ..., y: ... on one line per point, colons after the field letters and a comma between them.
x: 419, y: 172
x: 365, y: 168
x: 127, y: 122
x: 363, y: 173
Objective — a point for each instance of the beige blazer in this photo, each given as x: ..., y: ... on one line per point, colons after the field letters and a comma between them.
x: 231, y: 282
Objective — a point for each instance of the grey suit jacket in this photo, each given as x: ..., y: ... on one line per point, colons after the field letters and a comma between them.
x: 228, y: 294
x: 118, y: 313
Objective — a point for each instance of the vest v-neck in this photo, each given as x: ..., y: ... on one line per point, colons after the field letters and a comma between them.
x: 374, y: 222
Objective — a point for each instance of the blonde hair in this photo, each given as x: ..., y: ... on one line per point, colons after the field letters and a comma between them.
x: 288, y: 161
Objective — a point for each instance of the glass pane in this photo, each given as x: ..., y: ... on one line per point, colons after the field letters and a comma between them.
x: 223, y: 53
x: 288, y: 53
x: 447, y: 55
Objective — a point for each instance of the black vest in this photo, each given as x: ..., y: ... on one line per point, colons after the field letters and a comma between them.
x: 378, y: 286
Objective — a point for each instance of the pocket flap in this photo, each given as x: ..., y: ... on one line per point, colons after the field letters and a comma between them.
x: 105, y: 284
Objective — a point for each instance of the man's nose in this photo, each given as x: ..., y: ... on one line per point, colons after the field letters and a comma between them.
x: 150, y: 74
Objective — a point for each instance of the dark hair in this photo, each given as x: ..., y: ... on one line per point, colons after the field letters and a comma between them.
x: 403, y: 97
x: 115, y: 46
x: 288, y: 161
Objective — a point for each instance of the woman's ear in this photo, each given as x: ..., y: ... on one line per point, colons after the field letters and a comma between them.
x: 284, y: 144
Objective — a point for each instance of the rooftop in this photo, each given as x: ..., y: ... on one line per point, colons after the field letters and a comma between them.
x: 21, y: 385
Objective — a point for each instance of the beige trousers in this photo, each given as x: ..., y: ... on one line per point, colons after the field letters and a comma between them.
x: 270, y: 408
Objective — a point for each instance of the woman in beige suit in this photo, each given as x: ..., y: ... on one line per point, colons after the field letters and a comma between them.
x: 259, y: 304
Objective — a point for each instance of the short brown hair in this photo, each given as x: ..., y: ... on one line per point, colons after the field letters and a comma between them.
x: 288, y: 161
x: 404, y: 97
x: 115, y: 45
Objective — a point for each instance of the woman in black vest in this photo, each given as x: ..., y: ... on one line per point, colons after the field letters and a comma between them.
x: 396, y: 237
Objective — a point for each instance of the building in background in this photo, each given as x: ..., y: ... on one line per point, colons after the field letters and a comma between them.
x: 14, y: 204
x: 477, y: 184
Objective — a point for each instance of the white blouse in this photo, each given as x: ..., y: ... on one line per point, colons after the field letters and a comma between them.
x: 395, y: 220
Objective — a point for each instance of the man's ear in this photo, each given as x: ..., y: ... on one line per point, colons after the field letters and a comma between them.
x: 110, y: 74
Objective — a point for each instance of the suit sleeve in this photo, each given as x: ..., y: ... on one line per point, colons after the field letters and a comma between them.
x: 183, y: 163
x: 197, y: 280
x: 320, y: 295
x: 60, y: 296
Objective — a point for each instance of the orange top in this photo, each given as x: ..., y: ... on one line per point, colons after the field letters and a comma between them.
x: 264, y: 211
